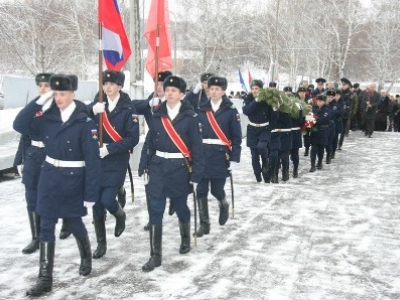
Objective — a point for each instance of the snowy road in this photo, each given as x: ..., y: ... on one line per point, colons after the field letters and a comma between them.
x: 332, y: 234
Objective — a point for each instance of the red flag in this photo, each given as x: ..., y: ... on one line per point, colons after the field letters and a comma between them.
x: 250, y: 78
x: 158, y: 17
x: 115, y: 43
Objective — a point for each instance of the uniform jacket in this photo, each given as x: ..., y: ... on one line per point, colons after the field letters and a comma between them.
x: 284, y: 126
x: 259, y: 113
x: 142, y: 107
x: 350, y: 101
x: 171, y: 177
x: 297, y: 141
x: 125, y: 121
x: 196, y: 100
x: 62, y: 191
x: 338, y: 109
x: 228, y: 119
x: 320, y: 137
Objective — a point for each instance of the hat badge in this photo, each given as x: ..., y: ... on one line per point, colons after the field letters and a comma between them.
x: 57, y: 83
x: 171, y: 80
x: 42, y: 76
x: 108, y: 75
x: 216, y: 80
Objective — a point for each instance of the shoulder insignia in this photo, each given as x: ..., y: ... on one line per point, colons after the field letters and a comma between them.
x: 238, y: 117
x: 135, y: 118
x: 325, y: 114
x: 94, y: 134
x: 200, y: 127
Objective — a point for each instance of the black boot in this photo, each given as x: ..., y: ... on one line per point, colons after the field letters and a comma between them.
x: 121, y: 196
x: 307, y: 151
x: 34, y: 221
x: 204, y: 217
x: 120, y: 217
x: 313, y: 169
x: 171, y: 209
x: 328, y: 158
x: 319, y: 164
x: 155, y: 248
x: 100, y: 228
x: 44, y: 282
x: 184, y: 229
x: 64, y: 233
x: 146, y: 227
x: 265, y: 165
x: 223, y: 211
x: 285, y: 173
x: 86, y: 256
x: 274, y: 175
x: 258, y: 177
x: 295, y: 171
x: 266, y: 177
x: 332, y: 155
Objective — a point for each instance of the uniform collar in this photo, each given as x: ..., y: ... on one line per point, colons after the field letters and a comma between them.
x: 67, y: 112
x: 113, y: 103
x: 216, y: 106
x: 173, y: 112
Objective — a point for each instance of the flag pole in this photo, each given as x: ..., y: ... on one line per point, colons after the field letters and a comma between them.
x: 100, y: 34
x: 156, y: 60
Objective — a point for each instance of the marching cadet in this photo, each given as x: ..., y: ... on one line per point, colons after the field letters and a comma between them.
x: 121, y: 134
x: 29, y: 158
x: 350, y: 102
x: 319, y: 138
x: 284, y: 131
x: 338, y: 109
x: 172, y: 157
x: 69, y: 175
x: 200, y: 93
x: 297, y: 124
x: 222, y: 139
x: 146, y: 107
x: 330, y: 95
x: 302, y: 95
x: 261, y: 118
x: 320, y: 87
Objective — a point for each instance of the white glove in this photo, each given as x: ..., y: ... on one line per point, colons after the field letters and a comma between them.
x: 198, y: 88
x: 145, y: 178
x: 103, y: 151
x: 99, y: 108
x: 20, y: 169
x: 233, y: 166
x: 154, y: 102
x: 257, y: 100
x: 45, y: 97
x: 194, y: 186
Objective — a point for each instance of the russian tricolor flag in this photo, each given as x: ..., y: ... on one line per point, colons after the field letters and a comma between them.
x: 115, y: 43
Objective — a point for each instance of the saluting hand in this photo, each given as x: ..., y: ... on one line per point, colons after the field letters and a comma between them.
x: 45, y: 97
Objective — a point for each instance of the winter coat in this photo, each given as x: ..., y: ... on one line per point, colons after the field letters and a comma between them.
x: 323, y: 115
x: 63, y: 190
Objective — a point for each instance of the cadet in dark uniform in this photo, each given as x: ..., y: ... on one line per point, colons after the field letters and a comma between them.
x: 330, y: 102
x: 69, y: 175
x: 319, y: 138
x: 261, y: 118
x: 297, y: 124
x: 120, y: 135
x: 350, y: 102
x: 320, y: 87
x: 284, y: 131
x: 200, y: 93
x: 170, y: 171
x: 302, y: 95
x: 221, y: 152
x: 337, y: 115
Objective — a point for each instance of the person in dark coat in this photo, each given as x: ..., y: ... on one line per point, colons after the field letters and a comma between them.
x: 320, y: 87
x: 29, y: 158
x: 370, y: 109
x: 319, y: 138
x: 330, y: 102
x: 337, y: 108
x: 261, y: 118
x: 284, y: 130
x: 200, y: 93
x: 382, y: 112
x: 350, y: 102
x: 70, y: 171
x: 120, y: 136
x: 396, y: 114
x: 172, y: 171
x: 297, y: 124
x: 221, y: 153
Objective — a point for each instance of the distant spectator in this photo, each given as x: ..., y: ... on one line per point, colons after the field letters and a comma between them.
x: 231, y: 95
x: 382, y: 112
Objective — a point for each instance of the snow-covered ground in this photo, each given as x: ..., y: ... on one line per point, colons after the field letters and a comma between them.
x: 333, y: 234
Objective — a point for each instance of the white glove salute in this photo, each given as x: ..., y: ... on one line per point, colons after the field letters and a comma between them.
x: 154, y: 102
x: 20, y: 169
x: 45, y: 97
x: 103, y: 151
x: 198, y: 88
x: 99, y: 108
x: 233, y: 166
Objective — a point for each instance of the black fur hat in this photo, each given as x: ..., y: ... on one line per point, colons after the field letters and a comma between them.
x: 43, y: 77
x: 61, y: 82
x: 114, y: 77
x: 272, y: 84
x: 205, y: 76
x: 330, y: 93
x: 257, y: 82
x: 321, y: 97
x: 320, y: 80
x: 218, y: 81
x: 175, y: 81
x: 345, y: 81
x: 163, y: 75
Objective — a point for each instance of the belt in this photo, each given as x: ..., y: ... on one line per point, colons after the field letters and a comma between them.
x: 281, y: 130
x: 168, y: 155
x: 295, y: 128
x: 213, y: 142
x: 259, y: 125
x: 37, y: 144
x: 65, y: 163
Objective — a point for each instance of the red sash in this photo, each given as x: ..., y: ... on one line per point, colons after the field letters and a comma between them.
x: 218, y: 131
x: 179, y: 143
x: 110, y: 130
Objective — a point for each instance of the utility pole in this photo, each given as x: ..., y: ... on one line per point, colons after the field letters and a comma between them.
x: 275, y: 46
x: 135, y: 65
